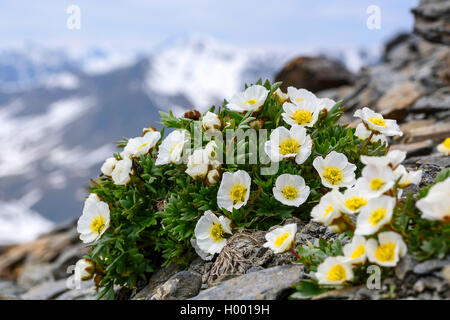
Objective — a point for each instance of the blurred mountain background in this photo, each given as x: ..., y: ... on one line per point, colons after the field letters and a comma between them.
x: 64, y: 102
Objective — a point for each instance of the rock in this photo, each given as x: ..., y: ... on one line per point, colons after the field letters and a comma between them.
x: 405, y: 266
x: 46, y: 290
x: 435, y: 159
x: 436, y: 132
x: 431, y: 265
x: 432, y: 20
x: 157, y: 279
x: 183, y: 285
x: 437, y: 101
x: 86, y: 291
x: 33, y: 274
x: 415, y: 149
x: 395, y: 102
x: 266, y: 284
x: 344, y: 293
x: 314, y: 74
x: 10, y: 290
x: 446, y: 273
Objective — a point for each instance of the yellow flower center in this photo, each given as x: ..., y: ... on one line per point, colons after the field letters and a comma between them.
x: 98, y: 224
x: 354, y: 203
x: 216, y: 232
x: 336, y: 273
x: 333, y: 175
x: 144, y: 145
x: 377, y: 215
x: 328, y: 210
x: 378, y: 121
x: 385, y: 252
x: 302, y: 116
x: 289, y: 146
x: 376, y: 183
x: 281, y: 238
x: 251, y: 102
x: 358, y: 252
x: 290, y: 192
x: 174, y: 147
x: 446, y: 143
x: 237, y: 193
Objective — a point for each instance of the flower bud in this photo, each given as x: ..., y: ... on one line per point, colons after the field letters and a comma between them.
x: 192, y: 114
x: 149, y: 129
x: 256, y: 124
x: 84, y: 269
x: 212, y: 177
x: 211, y: 121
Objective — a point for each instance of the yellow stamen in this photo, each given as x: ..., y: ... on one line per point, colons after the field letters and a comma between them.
x: 358, y: 252
x: 336, y: 273
x: 216, y: 232
x: 251, y: 102
x: 238, y: 193
x: 174, y: 146
x: 281, y: 238
x: 333, y: 175
x: 385, y: 252
x: 446, y: 143
x: 290, y: 192
x: 376, y: 184
x: 377, y: 215
x: 98, y: 224
x: 328, y: 210
x: 354, y: 203
x: 143, y: 145
x: 302, y: 116
x: 289, y: 146
x: 378, y: 121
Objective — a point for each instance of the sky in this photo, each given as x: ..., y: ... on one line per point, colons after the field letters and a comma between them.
x: 142, y: 24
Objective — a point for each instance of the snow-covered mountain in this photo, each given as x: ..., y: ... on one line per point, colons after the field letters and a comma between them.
x: 60, y: 114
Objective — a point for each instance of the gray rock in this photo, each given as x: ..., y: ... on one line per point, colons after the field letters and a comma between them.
x: 86, y: 291
x: 183, y: 285
x: 430, y: 266
x: 431, y: 20
x: 405, y: 266
x: 34, y: 274
x: 10, y: 290
x: 266, y: 284
x: 46, y: 290
x: 158, y: 278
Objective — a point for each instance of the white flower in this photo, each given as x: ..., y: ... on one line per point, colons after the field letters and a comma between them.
x: 362, y: 133
x: 122, y: 171
x: 251, y: 99
x: 142, y: 145
x: 202, y: 254
x: 302, y: 110
x: 355, y: 251
x: 210, y: 150
x: 84, y: 269
x: 281, y: 239
x: 444, y: 147
x: 213, y: 177
x: 291, y: 143
x: 335, y: 170
x: 375, y: 180
x: 172, y: 147
x: 353, y: 200
x: 376, y: 123
x: 393, y: 159
x: 282, y: 97
x: 210, y: 232
x: 436, y: 204
x: 108, y: 166
x: 291, y: 190
x: 375, y: 215
x: 326, y: 103
x: 91, y: 200
x: 211, y: 121
x: 388, y: 250
x: 234, y: 190
x: 334, y: 271
x: 93, y: 222
x: 198, y: 163
x: 407, y: 178
x: 327, y: 210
